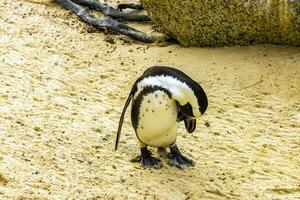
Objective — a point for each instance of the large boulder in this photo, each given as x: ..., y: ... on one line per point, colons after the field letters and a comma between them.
x: 227, y: 22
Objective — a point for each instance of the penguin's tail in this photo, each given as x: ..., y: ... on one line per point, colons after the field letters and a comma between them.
x: 122, y: 119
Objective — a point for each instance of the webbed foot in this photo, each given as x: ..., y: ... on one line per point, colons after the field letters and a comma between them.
x: 147, y: 161
x: 178, y: 160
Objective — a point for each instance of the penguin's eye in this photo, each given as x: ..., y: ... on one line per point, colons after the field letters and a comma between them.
x: 187, y: 109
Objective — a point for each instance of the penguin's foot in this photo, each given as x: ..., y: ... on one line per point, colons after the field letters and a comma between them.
x: 178, y: 160
x: 147, y: 161
x: 162, y: 152
x: 150, y: 162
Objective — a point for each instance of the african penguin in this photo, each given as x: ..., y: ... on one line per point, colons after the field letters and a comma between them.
x: 161, y: 97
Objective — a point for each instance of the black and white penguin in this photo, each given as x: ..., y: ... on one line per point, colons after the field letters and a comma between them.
x: 161, y: 97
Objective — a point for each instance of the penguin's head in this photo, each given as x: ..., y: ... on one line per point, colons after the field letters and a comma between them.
x: 191, y: 100
x: 191, y: 103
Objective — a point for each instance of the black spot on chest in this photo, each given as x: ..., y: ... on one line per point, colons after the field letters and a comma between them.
x: 136, y: 103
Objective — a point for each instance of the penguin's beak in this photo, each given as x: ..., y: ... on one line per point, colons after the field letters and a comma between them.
x: 190, y: 124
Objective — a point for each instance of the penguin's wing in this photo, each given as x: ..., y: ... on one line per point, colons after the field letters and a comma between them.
x: 122, y: 119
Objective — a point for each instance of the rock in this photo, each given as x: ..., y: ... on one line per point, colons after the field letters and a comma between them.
x: 230, y: 22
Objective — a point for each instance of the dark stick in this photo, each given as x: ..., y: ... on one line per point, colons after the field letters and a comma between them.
x: 107, y: 22
x: 112, y: 12
x: 136, y: 6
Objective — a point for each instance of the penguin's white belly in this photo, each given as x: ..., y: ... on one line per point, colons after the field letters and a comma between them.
x: 157, y: 124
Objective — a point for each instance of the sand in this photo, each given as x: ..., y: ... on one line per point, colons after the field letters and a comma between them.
x: 62, y: 89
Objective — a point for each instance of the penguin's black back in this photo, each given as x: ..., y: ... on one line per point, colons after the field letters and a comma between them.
x: 181, y: 76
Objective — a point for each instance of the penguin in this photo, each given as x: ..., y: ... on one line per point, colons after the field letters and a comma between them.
x: 161, y: 97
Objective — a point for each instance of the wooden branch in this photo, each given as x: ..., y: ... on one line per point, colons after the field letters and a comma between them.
x: 136, y: 6
x: 107, y: 22
x: 112, y: 12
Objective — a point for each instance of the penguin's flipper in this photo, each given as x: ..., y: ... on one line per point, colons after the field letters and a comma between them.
x: 122, y: 119
x: 190, y: 124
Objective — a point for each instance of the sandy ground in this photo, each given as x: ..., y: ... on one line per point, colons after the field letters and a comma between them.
x: 62, y: 88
